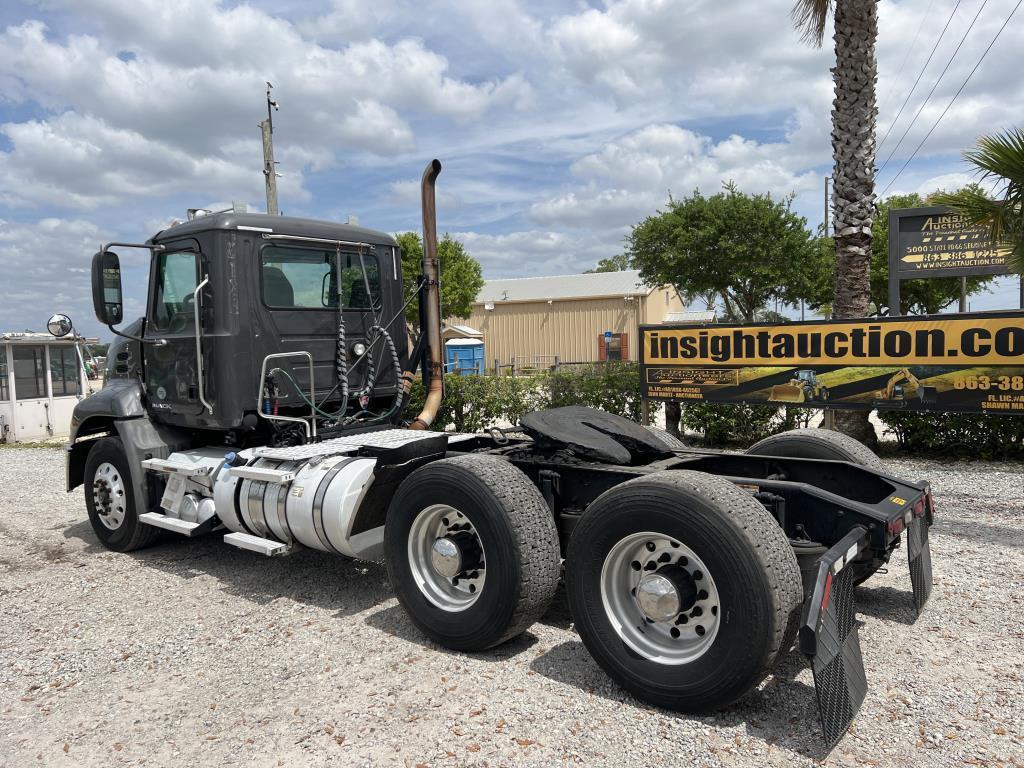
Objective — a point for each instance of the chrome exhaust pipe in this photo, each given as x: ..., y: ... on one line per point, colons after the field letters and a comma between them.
x: 431, y: 297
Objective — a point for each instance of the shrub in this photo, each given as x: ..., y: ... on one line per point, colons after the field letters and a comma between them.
x: 612, y: 386
x: 472, y: 403
x: 977, y: 436
x: 727, y: 424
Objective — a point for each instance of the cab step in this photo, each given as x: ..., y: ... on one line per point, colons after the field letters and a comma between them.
x: 168, y: 523
x: 267, y: 547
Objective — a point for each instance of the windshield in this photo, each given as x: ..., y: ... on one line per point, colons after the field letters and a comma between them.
x: 307, y: 278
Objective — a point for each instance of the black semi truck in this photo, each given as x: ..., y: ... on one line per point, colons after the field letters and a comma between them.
x: 262, y: 397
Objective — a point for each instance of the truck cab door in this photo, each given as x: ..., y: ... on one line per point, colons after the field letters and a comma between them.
x: 172, y: 370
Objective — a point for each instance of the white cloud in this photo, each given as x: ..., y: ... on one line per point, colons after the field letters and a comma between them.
x: 632, y: 176
x: 190, y: 96
x: 533, y: 252
x: 44, y: 266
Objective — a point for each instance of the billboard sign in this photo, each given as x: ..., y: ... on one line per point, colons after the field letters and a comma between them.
x: 967, y: 363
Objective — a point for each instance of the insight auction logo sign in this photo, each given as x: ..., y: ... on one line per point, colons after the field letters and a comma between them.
x: 966, y: 363
x: 936, y: 242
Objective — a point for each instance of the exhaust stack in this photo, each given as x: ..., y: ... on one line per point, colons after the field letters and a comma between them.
x: 431, y: 297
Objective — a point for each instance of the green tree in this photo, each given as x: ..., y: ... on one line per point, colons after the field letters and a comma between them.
x: 917, y: 297
x: 461, y: 278
x: 999, y: 159
x: 748, y: 249
x: 854, y: 114
x: 617, y: 263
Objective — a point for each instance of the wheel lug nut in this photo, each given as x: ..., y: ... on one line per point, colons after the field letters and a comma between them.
x: 650, y: 546
x: 697, y: 575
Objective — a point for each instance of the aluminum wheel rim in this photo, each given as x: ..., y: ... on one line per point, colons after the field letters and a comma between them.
x: 686, y: 636
x: 108, y: 495
x: 433, y: 523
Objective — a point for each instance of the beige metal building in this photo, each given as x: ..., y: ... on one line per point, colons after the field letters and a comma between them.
x: 532, y: 321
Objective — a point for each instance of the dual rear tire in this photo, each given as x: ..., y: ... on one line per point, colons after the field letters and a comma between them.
x: 683, y: 588
x: 472, y: 551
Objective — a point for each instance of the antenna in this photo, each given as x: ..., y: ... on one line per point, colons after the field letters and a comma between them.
x: 269, y: 170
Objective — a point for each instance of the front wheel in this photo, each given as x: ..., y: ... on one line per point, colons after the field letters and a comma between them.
x: 110, y: 500
x: 472, y: 551
x: 683, y: 588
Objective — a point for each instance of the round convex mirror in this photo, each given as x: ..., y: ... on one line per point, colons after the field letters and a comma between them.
x: 59, y: 325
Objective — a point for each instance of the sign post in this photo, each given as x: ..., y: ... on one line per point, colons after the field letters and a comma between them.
x: 937, y: 242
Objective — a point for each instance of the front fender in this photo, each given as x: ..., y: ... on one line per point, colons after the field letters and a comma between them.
x: 96, y: 415
x: 119, y: 399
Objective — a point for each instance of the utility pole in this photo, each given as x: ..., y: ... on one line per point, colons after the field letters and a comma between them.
x: 269, y: 169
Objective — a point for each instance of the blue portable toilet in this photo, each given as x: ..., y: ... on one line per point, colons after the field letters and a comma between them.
x: 464, y: 356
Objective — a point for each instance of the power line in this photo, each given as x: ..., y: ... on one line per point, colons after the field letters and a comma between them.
x: 936, y: 85
x: 906, y: 56
x: 919, y: 74
x: 955, y: 96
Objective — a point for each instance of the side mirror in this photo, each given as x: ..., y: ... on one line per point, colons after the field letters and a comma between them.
x: 59, y: 325
x: 106, y: 288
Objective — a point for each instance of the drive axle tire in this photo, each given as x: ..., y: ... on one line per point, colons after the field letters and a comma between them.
x: 683, y: 588
x: 110, y: 500
x: 818, y: 444
x: 824, y: 444
x: 671, y: 441
x: 472, y: 551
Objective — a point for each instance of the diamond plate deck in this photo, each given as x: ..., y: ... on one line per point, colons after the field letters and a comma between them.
x: 388, y: 438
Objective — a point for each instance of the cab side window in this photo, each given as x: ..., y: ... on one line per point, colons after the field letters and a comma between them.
x: 176, y: 282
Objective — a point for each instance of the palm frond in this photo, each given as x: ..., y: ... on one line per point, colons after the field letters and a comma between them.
x: 998, y: 158
x: 811, y: 18
x: 1000, y: 155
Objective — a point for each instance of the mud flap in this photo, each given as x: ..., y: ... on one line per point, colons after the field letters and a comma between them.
x: 828, y: 635
x: 920, y: 556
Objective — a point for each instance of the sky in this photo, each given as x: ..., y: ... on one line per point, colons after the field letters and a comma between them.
x: 559, y: 124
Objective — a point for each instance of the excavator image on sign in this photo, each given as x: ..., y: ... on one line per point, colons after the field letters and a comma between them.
x: 903, y: 388
x: 804, y: 387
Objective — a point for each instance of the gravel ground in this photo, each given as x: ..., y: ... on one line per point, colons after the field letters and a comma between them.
x: 194, y: 653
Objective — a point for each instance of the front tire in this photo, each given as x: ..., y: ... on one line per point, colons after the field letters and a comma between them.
x: 110, y: 499
x: 472, y: 551
x: 735, y: 579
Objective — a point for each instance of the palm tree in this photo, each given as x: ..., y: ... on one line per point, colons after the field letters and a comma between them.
x: 998, y: 158
x: 854, y: 111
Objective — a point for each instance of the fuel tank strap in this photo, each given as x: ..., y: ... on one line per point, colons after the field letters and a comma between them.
x: 318, y: 503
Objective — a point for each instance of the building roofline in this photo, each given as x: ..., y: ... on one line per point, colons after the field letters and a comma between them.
x: 555, y: 300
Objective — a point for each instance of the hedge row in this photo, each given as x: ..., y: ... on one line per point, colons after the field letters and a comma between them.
x: 473, y: 403
x: 964, y: 435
